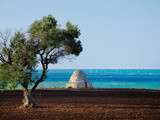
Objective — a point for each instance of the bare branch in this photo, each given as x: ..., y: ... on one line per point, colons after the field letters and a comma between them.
x: 4, y: 42
x: 4, y: 38
x: 53, y: 58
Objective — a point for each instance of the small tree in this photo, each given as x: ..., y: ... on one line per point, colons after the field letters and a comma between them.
x: 44, y: 43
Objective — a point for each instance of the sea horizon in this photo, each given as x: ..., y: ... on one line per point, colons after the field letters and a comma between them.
x: 101, y: 69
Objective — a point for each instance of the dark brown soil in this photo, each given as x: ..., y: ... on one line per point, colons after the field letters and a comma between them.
x: 108, y: 104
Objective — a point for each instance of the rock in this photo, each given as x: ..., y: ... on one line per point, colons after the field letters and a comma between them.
x: 78, y: 80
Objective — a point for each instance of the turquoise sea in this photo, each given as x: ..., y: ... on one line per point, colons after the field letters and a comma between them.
x: 107, y: 78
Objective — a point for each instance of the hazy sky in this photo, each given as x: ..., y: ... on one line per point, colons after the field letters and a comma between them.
x: 115, y: 33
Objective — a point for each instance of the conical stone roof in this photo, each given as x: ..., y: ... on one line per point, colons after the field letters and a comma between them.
x: 78, y: 80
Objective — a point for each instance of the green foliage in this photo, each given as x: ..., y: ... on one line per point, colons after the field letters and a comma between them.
x: 5, y: 77
x: 22, y: 51
x: 72, y: 45
x: 52, y: 36
x: 45, y: 30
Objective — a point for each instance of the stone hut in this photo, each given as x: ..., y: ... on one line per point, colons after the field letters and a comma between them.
x: 78, y: 80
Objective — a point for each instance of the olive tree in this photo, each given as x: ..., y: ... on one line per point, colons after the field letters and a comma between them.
x: 43, y: 44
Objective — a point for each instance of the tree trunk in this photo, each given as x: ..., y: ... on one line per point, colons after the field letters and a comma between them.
x: 28, y: 101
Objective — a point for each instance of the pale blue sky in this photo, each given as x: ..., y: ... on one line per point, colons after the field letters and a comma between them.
x: 115, y: 33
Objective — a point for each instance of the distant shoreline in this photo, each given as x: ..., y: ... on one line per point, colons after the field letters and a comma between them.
x: 107, y: 68
x: 91, y: 90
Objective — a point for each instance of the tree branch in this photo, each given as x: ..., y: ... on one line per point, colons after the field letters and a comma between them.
x: 2, y: 58
x: 44, y: 70
x: 50, y: 57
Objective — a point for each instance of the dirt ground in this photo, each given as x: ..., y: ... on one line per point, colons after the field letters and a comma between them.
x: 108, y: 104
